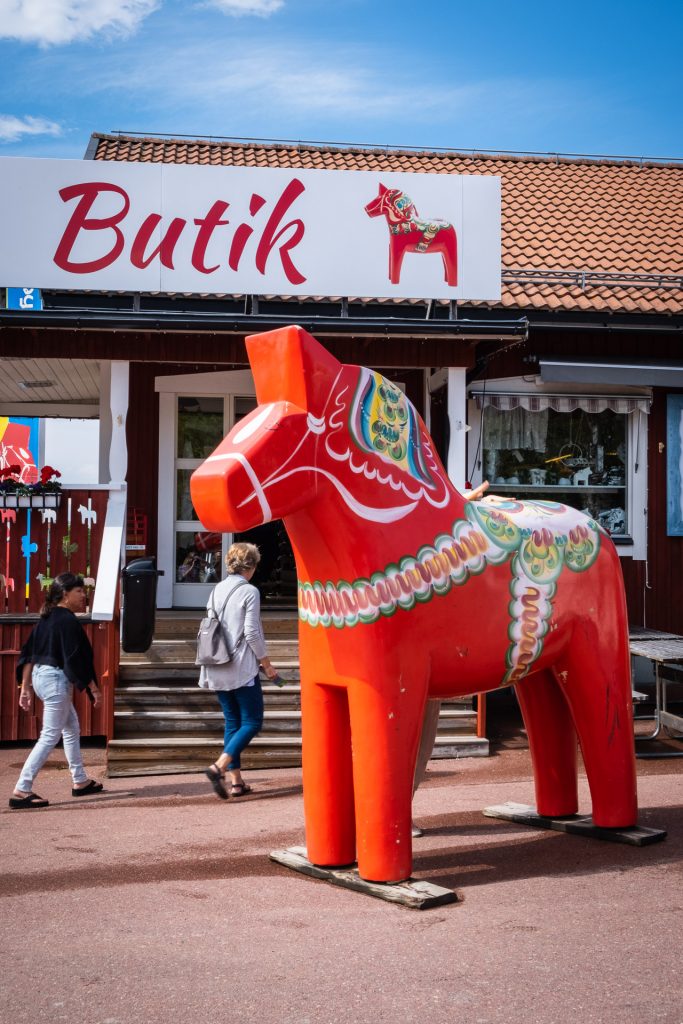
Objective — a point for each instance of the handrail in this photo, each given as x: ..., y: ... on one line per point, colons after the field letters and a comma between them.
x: 106, y: 586
x: 92, y: 487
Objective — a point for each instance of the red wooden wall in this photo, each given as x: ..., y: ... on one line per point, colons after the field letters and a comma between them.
x: 16, y: 724
x: 662, y: 589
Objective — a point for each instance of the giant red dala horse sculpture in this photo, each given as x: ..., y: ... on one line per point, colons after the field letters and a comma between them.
x: 407, y: 590
x: 408, y: 232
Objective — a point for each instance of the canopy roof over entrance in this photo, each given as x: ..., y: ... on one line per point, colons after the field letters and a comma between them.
x: 40, y: 387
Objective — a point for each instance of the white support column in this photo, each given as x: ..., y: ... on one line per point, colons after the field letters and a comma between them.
x: 166, y: 509
x: 105, y: 421
x: 427, y: 399
x: 457, y: 418
x: 118, y: 403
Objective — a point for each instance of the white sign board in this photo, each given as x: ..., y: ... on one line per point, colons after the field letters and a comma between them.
x: 80, y: 224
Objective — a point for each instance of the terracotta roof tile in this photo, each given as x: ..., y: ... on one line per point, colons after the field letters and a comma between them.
x: 559, y: 215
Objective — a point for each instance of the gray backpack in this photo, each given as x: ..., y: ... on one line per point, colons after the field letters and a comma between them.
x: 212, y: 641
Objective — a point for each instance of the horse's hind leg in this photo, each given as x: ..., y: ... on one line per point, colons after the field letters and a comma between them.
x: 552, y: 742
x: 597, y: 684
x: 449, y: 254
x: 327, y: 774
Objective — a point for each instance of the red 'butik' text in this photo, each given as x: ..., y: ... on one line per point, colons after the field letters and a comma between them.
x: 118, y: 238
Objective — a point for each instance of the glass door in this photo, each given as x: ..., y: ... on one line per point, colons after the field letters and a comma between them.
x: 201, y: 424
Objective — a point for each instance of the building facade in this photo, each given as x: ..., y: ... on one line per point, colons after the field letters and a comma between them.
x: 569, y: 386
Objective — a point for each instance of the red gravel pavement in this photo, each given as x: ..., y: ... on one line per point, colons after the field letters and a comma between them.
x: 157, y: 902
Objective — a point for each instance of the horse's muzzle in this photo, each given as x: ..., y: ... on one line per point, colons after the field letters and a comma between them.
x: 227, y: 495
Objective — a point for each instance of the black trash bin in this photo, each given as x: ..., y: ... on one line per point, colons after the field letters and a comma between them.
x: 139, y: 579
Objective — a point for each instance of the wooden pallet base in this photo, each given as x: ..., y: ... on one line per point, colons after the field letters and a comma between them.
x: 575, y: 824
x: 415, y: 895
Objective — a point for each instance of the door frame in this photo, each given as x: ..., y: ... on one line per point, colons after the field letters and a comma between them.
x: 224, y: 384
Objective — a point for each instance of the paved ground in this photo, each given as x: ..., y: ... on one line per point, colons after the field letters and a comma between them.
x: 156, y: 902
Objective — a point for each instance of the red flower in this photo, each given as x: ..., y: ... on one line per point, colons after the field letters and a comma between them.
x: 47, y: 472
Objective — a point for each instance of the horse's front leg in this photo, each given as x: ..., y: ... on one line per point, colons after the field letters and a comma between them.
x: 397, y: 250
x: 386, y: 717
x: 327, y: 776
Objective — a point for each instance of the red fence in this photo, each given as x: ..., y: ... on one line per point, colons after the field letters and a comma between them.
x: 36, y: 544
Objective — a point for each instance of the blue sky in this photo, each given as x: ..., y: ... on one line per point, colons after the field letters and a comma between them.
x: 599, y: 77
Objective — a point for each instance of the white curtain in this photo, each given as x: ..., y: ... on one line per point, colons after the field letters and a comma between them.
x: 516, y: 428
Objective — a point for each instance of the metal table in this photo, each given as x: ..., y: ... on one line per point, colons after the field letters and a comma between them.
x: 643, y: 633
x: 661, y: 649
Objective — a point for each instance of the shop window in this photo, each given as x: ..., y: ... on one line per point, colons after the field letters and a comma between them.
x: 200, y: 426
x: 586, y: 452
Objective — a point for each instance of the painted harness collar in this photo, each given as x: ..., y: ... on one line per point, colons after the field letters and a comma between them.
x: 538, y: 539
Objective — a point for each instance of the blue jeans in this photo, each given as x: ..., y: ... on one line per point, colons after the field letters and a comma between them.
x: 243, y: 712
x: 59, y: 720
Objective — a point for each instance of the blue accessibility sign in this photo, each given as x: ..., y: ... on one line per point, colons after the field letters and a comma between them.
x: 24, y: 298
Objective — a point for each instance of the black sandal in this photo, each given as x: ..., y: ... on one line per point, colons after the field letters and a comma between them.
x: 240, y: 789
x: 92, y: 787
x: 217, y: 780
x: 18, y: 803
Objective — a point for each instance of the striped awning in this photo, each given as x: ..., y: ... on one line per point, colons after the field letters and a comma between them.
x: 560, y: 403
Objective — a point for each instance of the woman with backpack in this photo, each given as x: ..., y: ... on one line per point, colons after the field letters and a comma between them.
x: 236, y: 682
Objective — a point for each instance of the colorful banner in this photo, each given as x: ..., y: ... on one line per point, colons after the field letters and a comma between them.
x: 19, y: 448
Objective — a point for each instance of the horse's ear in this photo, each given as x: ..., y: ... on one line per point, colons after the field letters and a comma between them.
x: 290, y: 365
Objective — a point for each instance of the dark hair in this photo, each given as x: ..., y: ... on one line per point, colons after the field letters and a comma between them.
x: 60, y: 586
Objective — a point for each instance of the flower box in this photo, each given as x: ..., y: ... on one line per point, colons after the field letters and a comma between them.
x: 48, y: 500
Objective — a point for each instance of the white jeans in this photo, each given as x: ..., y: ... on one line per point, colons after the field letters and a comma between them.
x: 59, y: 720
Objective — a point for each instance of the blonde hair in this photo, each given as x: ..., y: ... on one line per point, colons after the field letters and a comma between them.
x: 241, y: 557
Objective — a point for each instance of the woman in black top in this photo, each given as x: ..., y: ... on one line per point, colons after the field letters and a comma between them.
x: 56, y: 657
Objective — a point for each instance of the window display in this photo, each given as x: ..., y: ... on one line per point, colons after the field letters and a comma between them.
x: 579, y: 458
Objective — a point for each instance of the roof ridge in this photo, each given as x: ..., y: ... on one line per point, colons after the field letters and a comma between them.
x: 444, y: 152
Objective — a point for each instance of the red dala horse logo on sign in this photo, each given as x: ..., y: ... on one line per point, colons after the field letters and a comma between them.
x: 408, y: 232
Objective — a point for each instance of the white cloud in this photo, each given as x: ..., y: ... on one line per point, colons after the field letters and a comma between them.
x: 261, y: 8
x: 359, y: 92
x: 13, y: 128
x: 264, y: 79
x: 292, y: 89
x: 51, y: 22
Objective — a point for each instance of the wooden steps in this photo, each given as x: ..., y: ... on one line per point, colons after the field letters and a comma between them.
x: 178, y: 625
x: 151, y: 756
x: 182, y: 651
x: 165, y: 724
